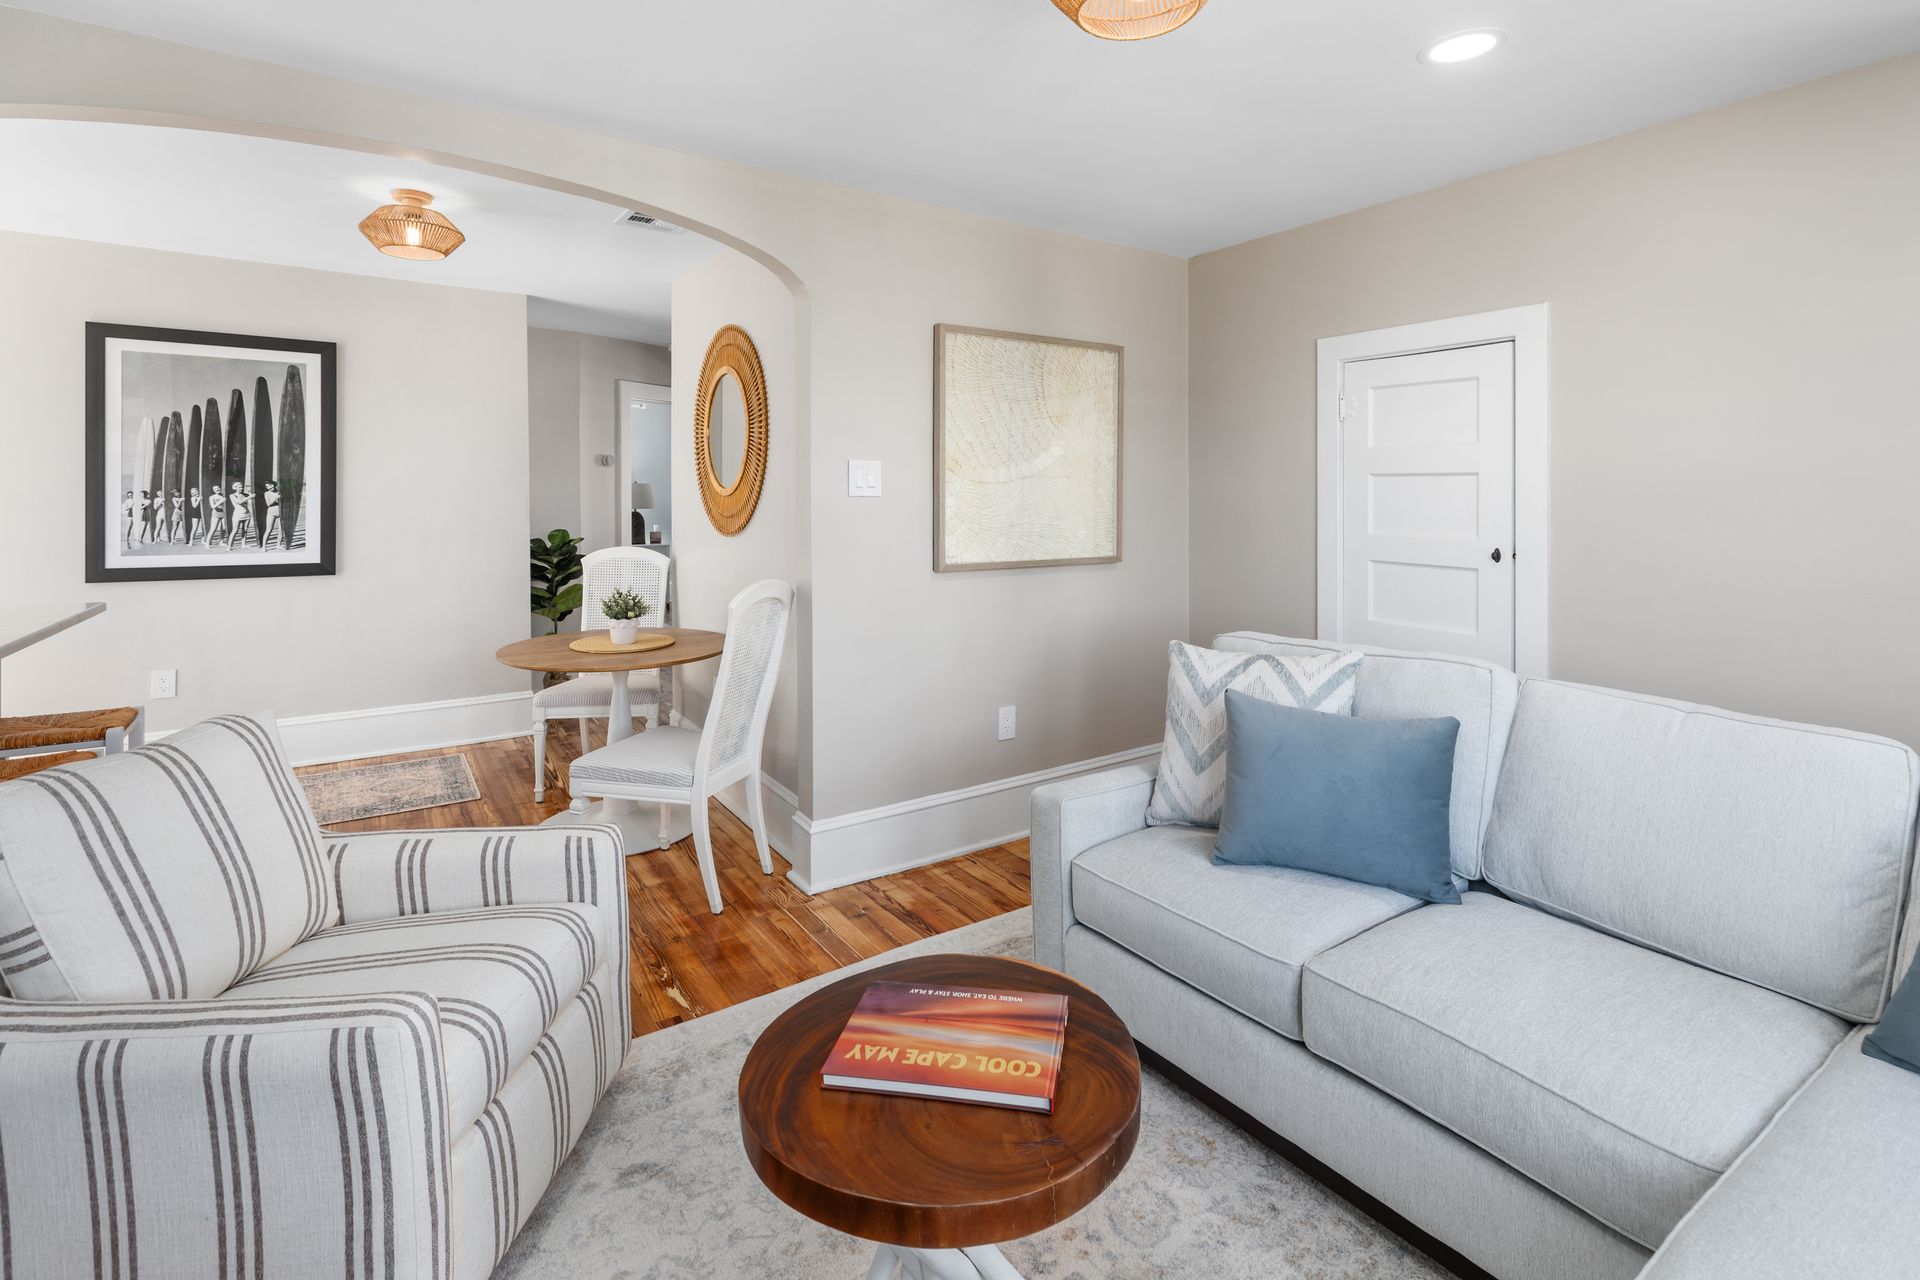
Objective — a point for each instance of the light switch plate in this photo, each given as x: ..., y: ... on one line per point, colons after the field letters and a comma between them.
x: 863, y: 478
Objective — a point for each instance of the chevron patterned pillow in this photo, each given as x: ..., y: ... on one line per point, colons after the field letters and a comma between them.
x: 1192, y: 784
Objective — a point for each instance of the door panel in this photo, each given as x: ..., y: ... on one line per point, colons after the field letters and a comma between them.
x: 1426, y: 498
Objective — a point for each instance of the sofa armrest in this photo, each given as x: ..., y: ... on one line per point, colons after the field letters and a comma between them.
x: 1069, y: 818
x: 283, y: 1137
x: 1826, y: 1192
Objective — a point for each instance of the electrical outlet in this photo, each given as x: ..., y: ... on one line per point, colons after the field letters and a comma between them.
x: 163, y: 684
x: 1006, y: 723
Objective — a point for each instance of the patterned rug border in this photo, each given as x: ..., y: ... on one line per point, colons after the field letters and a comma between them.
x: 459, y: 789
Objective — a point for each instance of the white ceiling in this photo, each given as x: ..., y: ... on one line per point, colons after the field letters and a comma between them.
x: 1257, y: 116
x: 262, y: 200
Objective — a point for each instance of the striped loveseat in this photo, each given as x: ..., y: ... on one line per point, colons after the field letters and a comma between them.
x: 237, y: 1046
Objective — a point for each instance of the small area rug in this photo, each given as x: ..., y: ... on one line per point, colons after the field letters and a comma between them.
x: 659, y: 1187
x: 373, y: 790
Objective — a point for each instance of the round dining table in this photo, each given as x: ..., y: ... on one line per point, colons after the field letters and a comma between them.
x: 556, y: 653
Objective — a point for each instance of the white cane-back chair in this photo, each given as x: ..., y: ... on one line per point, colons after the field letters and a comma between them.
x: 590, y: 696
x: 676, y: 766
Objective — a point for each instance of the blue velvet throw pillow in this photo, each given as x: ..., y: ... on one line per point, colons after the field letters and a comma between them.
x: 1365, y: 800
x: 1897, y: 1038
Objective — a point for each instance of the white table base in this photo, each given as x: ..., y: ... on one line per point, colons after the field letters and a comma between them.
x: 980, y: 1262
x: 644, y: 827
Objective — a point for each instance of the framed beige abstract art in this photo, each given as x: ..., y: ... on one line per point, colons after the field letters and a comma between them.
x: 1026, y: 450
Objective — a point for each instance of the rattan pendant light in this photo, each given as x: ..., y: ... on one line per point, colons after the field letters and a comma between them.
x: 408, y: 229
x: 1129, y: 19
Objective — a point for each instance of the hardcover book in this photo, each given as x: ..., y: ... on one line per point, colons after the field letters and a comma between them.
x: 965, y: 1044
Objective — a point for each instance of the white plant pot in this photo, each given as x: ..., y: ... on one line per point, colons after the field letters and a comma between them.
x: 623, y: 632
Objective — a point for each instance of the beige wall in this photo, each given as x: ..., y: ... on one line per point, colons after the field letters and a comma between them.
x: 1735, y: 432
x: 432, y: 492
x: 900, y: 670
x: 573, y: 414
x: 710, y: 567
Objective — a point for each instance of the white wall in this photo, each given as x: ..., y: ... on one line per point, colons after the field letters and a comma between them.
x: 432, y: 492
x: 574, y: 411
x: 899, y: 669
x: 710, y: 567
x: 1734, y: 447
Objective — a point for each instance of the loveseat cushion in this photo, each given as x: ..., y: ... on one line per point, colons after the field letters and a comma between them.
x: 1774, y: 852
x: 1393, y: 685
x: 500, y: 974
x: 1622, y: 1079
x: 1240, y: 934
x: 158, y: 874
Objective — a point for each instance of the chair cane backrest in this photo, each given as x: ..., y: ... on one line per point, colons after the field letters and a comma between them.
x: 634, y: 569
x: 736, y: 721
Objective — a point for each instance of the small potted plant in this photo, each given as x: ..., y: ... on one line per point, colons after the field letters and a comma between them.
x: 623, y: 610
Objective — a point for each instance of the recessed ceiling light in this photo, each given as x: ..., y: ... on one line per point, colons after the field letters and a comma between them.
x: 1463, y: 47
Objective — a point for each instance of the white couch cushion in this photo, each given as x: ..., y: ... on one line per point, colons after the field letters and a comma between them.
x: 1240, y: 934
x: 1622, y: 1079
x: 1775, y: 852
x: 158, y: 874
x: 501, y: 976
x: 1192, y: 784
x: 1416, y: 686
x: 1826, y: 1191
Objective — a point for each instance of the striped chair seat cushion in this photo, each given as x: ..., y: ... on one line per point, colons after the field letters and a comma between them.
x: 159, y: 874
x: 501, y: 976
x: 661, y: 757
x: 595, y: 689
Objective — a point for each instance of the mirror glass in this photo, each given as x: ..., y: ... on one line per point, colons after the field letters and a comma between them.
x: 727, y: 430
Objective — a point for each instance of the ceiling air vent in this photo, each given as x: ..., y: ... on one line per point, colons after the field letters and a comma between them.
x: 633, y: 217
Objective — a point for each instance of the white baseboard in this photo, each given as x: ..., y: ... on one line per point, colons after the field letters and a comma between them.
x: 418, y: 726
x: 843, y: 850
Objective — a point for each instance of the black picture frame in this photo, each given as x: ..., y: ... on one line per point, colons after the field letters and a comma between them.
x: 320, y: 531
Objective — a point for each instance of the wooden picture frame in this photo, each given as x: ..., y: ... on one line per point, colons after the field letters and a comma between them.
x: 1028, y: 486
x: 234, y: 437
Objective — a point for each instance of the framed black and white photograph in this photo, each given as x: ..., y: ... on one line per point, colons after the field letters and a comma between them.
x: 209, y: 455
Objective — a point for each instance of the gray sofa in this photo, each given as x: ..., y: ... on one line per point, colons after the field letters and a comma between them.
x: 1632, y: 1049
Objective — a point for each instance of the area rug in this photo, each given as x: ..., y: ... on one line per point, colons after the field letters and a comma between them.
x: 659, y: 1187
x: 374, y: 790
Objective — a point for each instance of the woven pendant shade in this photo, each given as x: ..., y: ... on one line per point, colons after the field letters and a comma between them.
x: 408, y: 229
x: 1129, y: 19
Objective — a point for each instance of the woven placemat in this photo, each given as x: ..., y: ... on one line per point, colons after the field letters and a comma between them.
x: 598, y: 642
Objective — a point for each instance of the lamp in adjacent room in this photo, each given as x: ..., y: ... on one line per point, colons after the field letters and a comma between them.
x: 642, y: 501
x: 1128, y: 19
x: 407, y: 228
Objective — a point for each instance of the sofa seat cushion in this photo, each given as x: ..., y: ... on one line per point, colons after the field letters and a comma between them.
x: 1622, y: 1079
x: 1828, y: 1189
x: 500, y: 974
x: 1240, y: 934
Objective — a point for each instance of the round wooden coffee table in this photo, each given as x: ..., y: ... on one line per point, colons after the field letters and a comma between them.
x: 938, y: 1184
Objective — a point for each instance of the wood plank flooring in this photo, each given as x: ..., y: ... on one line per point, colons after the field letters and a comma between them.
x: 688, y: 961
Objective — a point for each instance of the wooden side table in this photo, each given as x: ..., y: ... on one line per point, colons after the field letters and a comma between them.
x: 936, y: 1184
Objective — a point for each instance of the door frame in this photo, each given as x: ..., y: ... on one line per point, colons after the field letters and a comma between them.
x: 626, y: 393
x: 1527, y: 328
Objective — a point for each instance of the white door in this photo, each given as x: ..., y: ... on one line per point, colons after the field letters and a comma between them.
x: 1427, y: 502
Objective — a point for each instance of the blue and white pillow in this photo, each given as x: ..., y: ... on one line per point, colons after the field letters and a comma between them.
x: 1193, y: 772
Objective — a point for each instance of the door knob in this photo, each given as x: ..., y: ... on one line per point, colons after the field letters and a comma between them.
x: 1496, y: 555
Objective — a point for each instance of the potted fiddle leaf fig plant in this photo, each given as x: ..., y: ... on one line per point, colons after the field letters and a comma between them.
x: 623, y: 610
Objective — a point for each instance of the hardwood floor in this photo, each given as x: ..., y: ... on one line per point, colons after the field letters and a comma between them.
x: 688, y: 961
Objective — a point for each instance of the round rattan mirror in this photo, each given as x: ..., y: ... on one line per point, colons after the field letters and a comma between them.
x: 730, y: 430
